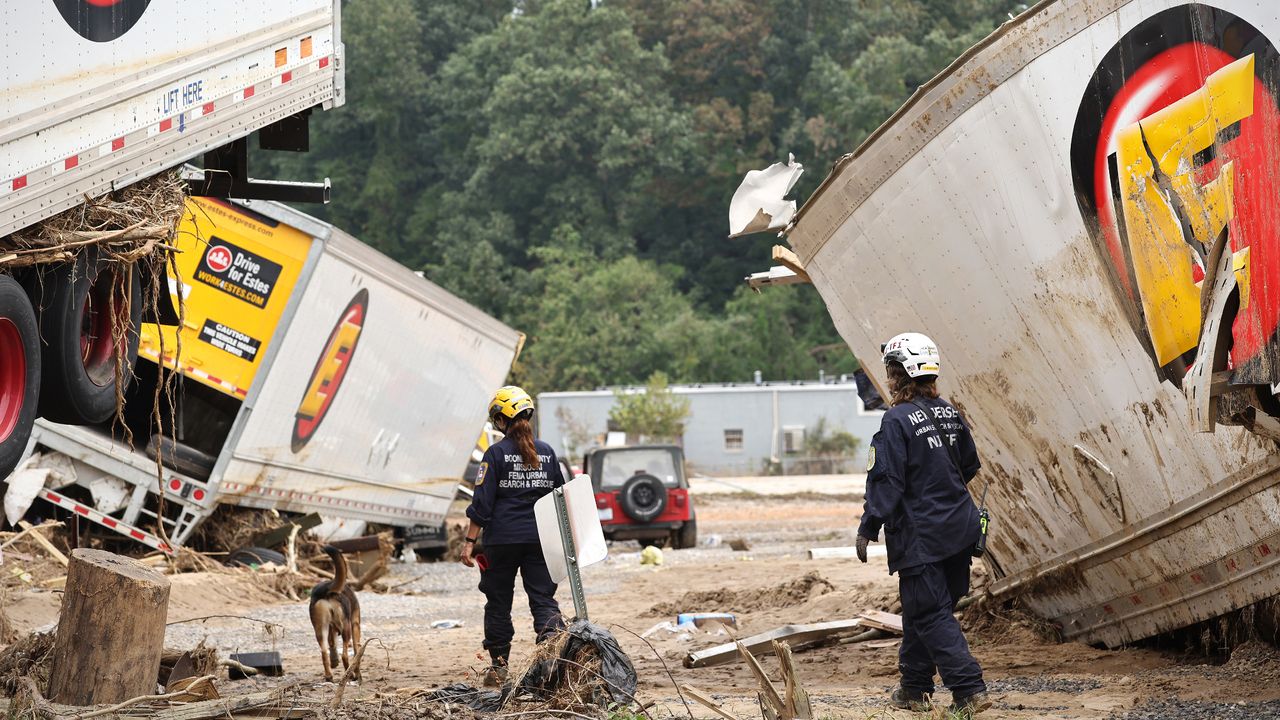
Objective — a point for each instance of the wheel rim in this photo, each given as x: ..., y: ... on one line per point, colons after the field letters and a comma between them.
x: 97, y: 346
x: 13, y: 377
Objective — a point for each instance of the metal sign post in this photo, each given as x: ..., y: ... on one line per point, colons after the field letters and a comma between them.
x: 570, y: 554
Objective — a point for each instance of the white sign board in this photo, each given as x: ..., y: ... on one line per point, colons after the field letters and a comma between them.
x: 588, y: 536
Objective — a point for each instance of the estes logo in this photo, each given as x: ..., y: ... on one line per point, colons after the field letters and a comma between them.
x: 219, y: 258
x: 331, y: 368
x: 1175, y: 154
x: 101, y: 20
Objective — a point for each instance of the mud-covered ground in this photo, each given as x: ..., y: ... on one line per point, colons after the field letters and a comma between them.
x: 770, y: 585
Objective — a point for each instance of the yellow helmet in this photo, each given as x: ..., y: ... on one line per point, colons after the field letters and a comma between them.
x: 510, y: 401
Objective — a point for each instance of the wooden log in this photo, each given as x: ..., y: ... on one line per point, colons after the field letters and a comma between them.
x: 110, y: 631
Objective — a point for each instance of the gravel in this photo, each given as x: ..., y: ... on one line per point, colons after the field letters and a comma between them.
x: 1033, y: 685
x: 1175, y: 709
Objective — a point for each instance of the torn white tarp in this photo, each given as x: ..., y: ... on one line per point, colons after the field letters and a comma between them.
x: 760, y: 202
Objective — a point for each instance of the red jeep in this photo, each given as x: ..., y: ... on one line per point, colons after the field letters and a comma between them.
x: 642, y: 494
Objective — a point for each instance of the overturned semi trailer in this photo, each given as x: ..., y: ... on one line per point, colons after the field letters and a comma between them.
x: 1083, y: 211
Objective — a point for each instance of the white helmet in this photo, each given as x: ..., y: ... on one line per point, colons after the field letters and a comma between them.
x: 916, y: 352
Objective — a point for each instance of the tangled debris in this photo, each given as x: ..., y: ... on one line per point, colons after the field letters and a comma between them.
x: 125, y: 226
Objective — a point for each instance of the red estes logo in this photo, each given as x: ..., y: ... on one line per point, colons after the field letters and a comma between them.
x: 330, y: 369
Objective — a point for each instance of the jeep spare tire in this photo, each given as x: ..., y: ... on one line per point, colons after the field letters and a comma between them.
x: 19, y: 373
x: 643, y: 498
x: 89, y: 311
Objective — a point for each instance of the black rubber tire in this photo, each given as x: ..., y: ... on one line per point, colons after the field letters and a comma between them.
x: 78, y: 382
x: 643, y: 498
x: 183, y: 458
x: 19, y: 373
x: 687, y: 535
x: 254, y: 556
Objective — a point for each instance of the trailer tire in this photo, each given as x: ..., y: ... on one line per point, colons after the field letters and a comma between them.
x: 254, y: 556
x: 80, y: 334
x: 19, y: 373
x: 183, y: 458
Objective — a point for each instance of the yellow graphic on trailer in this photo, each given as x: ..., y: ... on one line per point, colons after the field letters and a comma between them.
x: 1161, y: 194
x: 236, y: 270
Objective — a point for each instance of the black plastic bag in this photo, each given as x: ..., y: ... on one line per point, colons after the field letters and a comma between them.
x: 616, y: 670
x: 474, y: 698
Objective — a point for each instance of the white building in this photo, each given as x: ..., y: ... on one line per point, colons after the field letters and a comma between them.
x: 732, y: 429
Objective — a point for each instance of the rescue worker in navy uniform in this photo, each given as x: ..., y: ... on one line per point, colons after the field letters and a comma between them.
x: 514, y: 473
x: 918, y: 467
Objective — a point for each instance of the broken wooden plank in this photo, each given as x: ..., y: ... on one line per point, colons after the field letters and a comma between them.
x: 882, y: 621
x: 789, y: 260
x: 278, y: 535
x: 763, y: 643
x: 769, y: 697
x: 43, y: 541
x: 795, y: 696
x: 705, y: 700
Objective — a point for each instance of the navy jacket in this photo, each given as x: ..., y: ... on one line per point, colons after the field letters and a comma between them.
x: 506, y: 490
x: 920, y: 462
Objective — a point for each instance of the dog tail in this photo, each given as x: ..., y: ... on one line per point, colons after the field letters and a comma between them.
x: 339, y: 569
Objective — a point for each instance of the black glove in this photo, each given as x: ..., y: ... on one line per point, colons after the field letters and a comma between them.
x: 862, y: 548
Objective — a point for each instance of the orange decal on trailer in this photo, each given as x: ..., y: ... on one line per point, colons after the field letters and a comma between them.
x: 330, y: 369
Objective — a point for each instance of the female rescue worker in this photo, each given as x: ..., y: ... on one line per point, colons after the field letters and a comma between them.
x: 513, y: 474
x: 918, y: 466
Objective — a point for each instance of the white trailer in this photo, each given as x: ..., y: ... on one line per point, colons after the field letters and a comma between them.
x: 1082, y: 211
x: 350, y: 387
x: 97, y: 95
x: 100, y: 94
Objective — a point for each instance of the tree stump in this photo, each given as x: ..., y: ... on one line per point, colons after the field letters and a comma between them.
x: 110, y: 632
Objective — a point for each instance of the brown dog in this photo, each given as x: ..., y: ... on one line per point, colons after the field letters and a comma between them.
x: 334, y: 609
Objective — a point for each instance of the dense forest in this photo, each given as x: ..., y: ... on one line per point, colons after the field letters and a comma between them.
x: 567, y: 165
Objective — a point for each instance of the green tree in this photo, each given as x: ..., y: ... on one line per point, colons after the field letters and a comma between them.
x: 654, y: 414
x: 829, y: 451
x: 597, y: 323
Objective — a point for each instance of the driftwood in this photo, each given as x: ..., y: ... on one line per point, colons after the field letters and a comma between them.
x: 153, y: 707
x: 708, y: 702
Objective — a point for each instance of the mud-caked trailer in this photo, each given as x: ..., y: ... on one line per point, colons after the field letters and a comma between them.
x: 310, y: 374
x: 1083, y: 212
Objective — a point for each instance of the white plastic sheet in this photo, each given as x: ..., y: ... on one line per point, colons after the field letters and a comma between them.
x: 759, y: 203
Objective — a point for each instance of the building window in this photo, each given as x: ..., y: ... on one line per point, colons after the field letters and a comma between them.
x: 793, y: 439
x: 733, y: 440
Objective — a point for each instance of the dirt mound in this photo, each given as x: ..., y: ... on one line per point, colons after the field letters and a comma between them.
x: 793, y: 592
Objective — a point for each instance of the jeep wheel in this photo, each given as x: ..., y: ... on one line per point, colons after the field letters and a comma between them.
x: 687, y: 536
x: 643, y: 498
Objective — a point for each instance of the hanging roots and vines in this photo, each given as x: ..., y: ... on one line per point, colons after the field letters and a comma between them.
x: 134, y: 226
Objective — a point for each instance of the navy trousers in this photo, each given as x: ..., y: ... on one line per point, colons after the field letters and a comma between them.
x: 931, y: 636
x: 498, y: 583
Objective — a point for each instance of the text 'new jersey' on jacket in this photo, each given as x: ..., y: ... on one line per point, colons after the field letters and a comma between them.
x: 506, y: 489
x: 918, y: 466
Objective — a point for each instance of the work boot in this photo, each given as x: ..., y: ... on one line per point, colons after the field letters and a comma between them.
x: 970, y: 705
x: 913, y: 700
x: 495, y: 676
